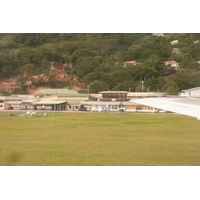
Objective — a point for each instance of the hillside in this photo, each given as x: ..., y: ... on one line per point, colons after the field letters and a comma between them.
x: 30, y: 61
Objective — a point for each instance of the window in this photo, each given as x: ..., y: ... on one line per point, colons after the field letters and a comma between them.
x: 70, y: 107
x: 114, y: 107
x: 96, y: 107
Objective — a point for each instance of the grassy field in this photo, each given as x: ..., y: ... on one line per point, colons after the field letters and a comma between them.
x: 99, y: 139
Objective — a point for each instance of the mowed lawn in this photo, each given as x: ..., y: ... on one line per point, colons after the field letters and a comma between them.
x: 100, y: 139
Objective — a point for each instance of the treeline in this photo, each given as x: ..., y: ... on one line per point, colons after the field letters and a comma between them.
x: 98, y: 59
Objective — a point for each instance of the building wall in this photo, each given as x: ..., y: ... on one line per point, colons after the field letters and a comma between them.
x: 192, y: 93
x: 128, y: 108
x: 73, y: 107
x: 49, y: 98
x: 73, y: 98
x: 140, y: 108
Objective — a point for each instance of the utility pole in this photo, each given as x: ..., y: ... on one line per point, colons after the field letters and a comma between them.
x: 142, y: 82
x: 88, y: 86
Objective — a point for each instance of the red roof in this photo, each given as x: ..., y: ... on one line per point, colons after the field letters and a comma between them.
x: 132, y: 62
x: 171, y: 62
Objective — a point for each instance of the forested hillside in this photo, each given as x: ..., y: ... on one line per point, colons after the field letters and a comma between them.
x: 97, y: 59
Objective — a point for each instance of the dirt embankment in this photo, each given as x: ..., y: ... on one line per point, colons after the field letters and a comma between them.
x: 56, y: 73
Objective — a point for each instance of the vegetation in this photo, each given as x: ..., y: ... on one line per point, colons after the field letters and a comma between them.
x: 98, y: 59
x: 99, y: 139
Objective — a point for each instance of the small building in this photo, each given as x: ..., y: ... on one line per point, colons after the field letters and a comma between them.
x: 193, y: 92
x: 175, y: 51
x: 174, y: 42
x: 132, y: 63
x: 196, y: 42
x: 172, y: 64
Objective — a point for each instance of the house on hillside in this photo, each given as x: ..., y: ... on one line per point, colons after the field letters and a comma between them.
x: 172, y: 64
x: 174, y: 42
x: 196, y: 42
x: 132, y: 63
x: 175, y: 51
x: 193, y: 92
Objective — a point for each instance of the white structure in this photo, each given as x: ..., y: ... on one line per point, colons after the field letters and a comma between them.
x: 174, y: 42
x: 193, y: 92
x: 196, y: 42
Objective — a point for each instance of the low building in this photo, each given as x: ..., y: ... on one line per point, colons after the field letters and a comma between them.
x: 193, y: 92
x: 119, y: 101
x: 43, y: 105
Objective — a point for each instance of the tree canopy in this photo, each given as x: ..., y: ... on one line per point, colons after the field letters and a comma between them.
x: 99, y: 58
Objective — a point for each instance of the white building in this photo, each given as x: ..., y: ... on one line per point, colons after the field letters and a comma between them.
x: 193, y: 92
x: 174, y: 42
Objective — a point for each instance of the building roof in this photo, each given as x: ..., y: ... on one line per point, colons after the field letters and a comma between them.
x: 113, y: 92
x: 191, y: 89
x: 12, y: 98
x: 29, y: 101
x: 48, y: 102
x: 56, y: 91
x: 132, y: 62
x: 171, y: 62
x: 145, y: 94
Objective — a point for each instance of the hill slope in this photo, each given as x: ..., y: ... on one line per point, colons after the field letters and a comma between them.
x: 29, y: 61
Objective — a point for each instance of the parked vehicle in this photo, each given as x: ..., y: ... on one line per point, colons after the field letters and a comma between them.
x: 10, y: 108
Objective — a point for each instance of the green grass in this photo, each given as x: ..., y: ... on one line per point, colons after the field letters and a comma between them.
x: 100, y: 139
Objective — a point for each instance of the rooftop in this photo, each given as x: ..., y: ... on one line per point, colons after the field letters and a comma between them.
x: 113, y: 92
x: 56, y: 91
x: 196, y: 88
